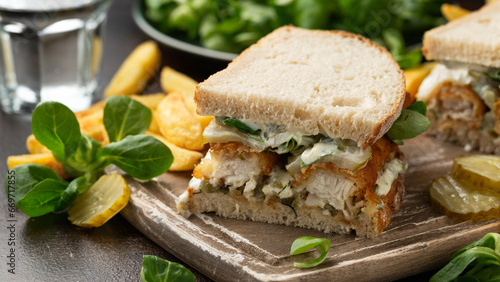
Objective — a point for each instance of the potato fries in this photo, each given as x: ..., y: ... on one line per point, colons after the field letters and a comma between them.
x: 174, y: 81
x: 415, y: 76
x: 183, y: 159
x: 92, y: 126
x: 151, y: 100
x: 34, y: 147
x: 452, y: 12
x: 177, y: 123
x: 45, y: 159
x: 139, y: 67
x: 99, y: 106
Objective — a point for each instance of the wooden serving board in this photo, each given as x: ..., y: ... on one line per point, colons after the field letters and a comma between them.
x: 418, y: 239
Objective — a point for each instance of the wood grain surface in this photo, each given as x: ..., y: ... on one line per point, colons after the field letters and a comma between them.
x: 418, y: 239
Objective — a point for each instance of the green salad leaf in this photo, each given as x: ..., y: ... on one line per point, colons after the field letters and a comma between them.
x: 478, y: 261
x: 311, y: 14
x: 85, y: 157
x: 410, y: 59
x: 31, y: 174
x: 72, y: 191
x: 395, y: 42
x: 55, y: 126
x: 141, y: 156
x: 410, y: 123
x: 43, y: 198
x: 494, y: 76
x: 232, y: 26
x: 303, y: 244
x: 40, y: 191
x: 155, y: 269
x: 241, y: 126
x: 418, y: 107
x: 125, y: 117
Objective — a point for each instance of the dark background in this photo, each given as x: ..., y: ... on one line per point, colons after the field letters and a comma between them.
x: 50, y: 248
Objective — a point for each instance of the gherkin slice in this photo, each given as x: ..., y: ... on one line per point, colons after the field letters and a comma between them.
x: 103, y: 200
x: 480, y: 171
x: 460, y: 200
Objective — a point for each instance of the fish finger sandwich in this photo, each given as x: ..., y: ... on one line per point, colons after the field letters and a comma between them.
x: 462, y: 92
x: 299, y: 136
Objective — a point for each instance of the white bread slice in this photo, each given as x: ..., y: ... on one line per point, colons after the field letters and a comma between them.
x: 473, y: 39
x: 330, y: 82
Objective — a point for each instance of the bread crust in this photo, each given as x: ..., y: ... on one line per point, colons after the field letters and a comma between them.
x: 296, y: 116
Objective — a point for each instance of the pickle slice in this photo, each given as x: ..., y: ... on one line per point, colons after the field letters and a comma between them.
x: 480, y: 171
x: 104, y: 199
x: 460, y: 200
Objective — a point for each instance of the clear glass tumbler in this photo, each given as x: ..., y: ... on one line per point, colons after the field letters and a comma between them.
x: 50, y: 50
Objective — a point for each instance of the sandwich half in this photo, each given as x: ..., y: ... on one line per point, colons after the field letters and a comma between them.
x: 299, y: 135
x: 462, y: 92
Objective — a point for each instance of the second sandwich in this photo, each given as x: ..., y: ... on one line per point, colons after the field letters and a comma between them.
x: 462, y: 92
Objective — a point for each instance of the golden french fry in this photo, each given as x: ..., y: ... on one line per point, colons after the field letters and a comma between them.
x: 452, y: 12
x: 98, y: 133
x: 88, y: 122
x: 184, y: 159
x: 151, y: 100
x: 93, y: 126
x: 154, y: 127
x: 416, y: 75
x: 177, y: 124
x: 137, y: 69
x: 99, y: 106
x: 45, y: 159
x: 174, y: 81
x: 34, y: 147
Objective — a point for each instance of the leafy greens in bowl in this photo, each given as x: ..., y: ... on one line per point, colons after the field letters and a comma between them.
x: 230, y: 26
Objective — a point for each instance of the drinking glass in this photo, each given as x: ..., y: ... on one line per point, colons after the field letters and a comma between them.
x: 50, y: 50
